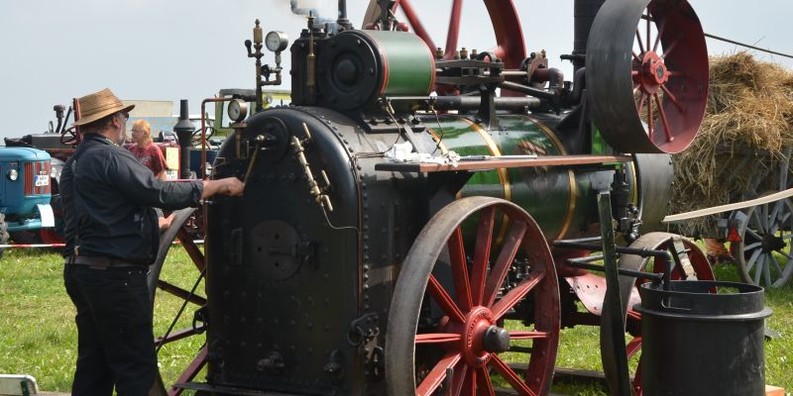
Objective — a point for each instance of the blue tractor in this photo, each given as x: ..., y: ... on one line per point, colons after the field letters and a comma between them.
x: 25, y: 191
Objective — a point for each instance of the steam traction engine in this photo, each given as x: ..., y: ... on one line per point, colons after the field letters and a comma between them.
x: 390, y: 241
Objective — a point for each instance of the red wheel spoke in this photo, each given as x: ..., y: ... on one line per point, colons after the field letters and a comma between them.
x: 435, y: 377
x: 675, y: 73
x: 192, y: 370
x: 454, y: 29
x: 633, y: 346
x: 647, y: 18
x: 511, y: 376
x: 516, y: 294
x: 527, y: 335
x: 459, y: 269
x: 464, y: 380
x: 415, y: 23
x: 437, y: 338
x: 642, y: 101
x: 639, y: 40
x: 671, y: 48
x: 650, y: 121
x: 504, y: 261
x: 484, y: 240
x: 664, y: 120
x: 672, y: 98
x: 661, y: 28
x: 444, y: 300
x: 483, y: 383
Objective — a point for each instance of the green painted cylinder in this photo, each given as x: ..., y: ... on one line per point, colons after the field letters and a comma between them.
x: 358, y: 66
x: 561, y: 199
x: 407, y: 65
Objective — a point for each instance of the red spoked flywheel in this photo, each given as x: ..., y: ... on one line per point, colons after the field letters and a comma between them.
x: 510, y: 46
x: 647, y: 74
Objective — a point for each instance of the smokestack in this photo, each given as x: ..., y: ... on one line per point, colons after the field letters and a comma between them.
x: 584, y: 12
x: 184, y: 129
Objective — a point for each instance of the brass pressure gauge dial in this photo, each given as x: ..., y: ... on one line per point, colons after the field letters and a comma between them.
x: 237, y: 110
x: 276, y: 41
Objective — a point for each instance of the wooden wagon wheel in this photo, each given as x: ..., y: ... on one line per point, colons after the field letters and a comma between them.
x: 693, y: 265
x: 647, y: 74
x: 446, y: 321
x: 763, y: 252
x: 183, y: 295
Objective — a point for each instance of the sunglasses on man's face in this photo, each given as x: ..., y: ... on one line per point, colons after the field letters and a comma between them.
x: 125, y: 116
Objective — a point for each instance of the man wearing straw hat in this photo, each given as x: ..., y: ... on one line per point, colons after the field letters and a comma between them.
x: 112, y: 236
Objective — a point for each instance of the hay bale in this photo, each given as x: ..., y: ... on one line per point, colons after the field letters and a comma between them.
x: 736, y: 155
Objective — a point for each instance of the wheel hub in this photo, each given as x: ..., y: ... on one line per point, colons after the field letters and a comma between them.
x: 653, y: 72
x: 481, y: 337
x: 496, y: 339
x: 772, y: 243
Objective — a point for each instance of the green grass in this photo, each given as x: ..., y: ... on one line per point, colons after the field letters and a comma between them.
x: 37, y: 332
x: 38, y: 336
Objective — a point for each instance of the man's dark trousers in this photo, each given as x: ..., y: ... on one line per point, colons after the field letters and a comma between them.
x: 114, y: 323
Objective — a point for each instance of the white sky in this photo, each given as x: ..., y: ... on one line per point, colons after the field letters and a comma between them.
x: 54, y: 50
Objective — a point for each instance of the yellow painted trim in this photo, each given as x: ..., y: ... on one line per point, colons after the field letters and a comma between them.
x: 503, y: 176
x: 550, y: 134
x: 573, y: 197
x: 635, y: 183
x: 568, y: 216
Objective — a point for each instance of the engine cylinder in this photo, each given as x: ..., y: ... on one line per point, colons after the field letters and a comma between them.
x: 356, y: 67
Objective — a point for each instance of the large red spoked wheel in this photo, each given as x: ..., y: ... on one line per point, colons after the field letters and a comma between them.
x: 510, y: 46
x: 693, y: 265
x: 446, y: 324
x: 647, y: 74
x: 177, y: 302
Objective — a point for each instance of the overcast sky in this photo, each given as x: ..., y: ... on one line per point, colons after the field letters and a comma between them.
x: 54, y: 50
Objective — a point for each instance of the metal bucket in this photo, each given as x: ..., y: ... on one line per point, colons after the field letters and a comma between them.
x: 697, y: 342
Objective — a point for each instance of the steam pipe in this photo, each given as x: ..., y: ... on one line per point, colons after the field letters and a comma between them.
x: 343, y: 21
x: 554, y: 76
x: 59, y: 109
x: 579, y: 83
x: 515, y: 103
x: 537, y: 93
x: 584, y: 12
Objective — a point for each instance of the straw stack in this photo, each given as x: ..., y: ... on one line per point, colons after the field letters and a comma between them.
x: 747, y: 127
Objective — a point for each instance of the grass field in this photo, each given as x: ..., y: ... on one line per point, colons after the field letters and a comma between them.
x: 38, y: 336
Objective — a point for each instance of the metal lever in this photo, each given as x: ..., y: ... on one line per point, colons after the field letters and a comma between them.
x: 259, y: 140
x: 316, y: 192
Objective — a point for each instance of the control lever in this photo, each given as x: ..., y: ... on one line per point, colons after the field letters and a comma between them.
x: 259, y: 140
x: 316, y: 192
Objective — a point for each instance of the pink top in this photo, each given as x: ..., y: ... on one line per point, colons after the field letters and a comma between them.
x: 151, y: 156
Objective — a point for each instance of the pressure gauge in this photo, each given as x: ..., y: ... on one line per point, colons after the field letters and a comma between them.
x: 237, y: 110
x: 276, y: 41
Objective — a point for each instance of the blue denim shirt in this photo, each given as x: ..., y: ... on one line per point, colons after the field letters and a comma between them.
x: 108, y: 198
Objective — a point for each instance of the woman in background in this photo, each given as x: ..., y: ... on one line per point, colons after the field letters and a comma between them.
x: 150, y: 156
x: 145, y: 150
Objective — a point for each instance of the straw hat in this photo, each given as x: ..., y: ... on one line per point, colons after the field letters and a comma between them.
x: 98, y: 105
